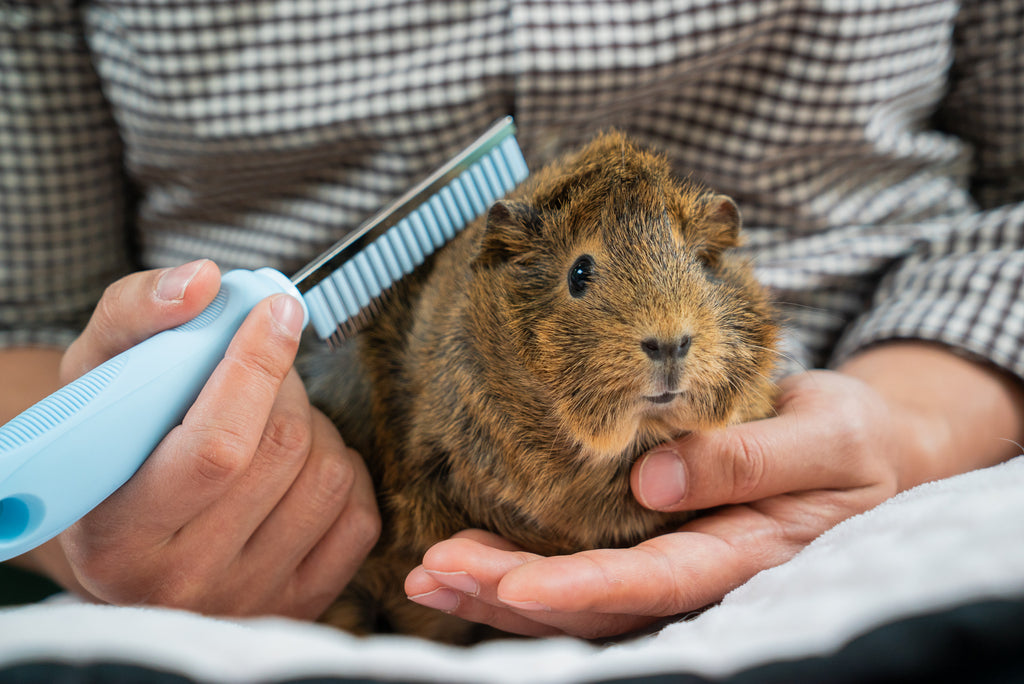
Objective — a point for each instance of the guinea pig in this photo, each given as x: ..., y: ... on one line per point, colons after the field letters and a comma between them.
x: 512, y: 381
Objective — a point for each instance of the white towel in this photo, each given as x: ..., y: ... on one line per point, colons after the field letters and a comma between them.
x: 942, y: 544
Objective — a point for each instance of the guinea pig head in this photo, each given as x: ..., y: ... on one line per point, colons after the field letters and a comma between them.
x: 627, y: 316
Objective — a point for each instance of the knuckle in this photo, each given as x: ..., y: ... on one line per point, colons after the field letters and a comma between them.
x: 105, y: 333
x: 853, y: 441
x: 747, y: 466
x: 108, y: 317
x: 219, y: 462
x: 363, y: 515
x: 95, y: 566
x: 336, y: 481
x: 175, y: 590
x: 287, y: 434
x: 337, y: 475
x: 331, y: 482
x: 91, y: 547
x: 103, y: 324
x: 265, y: 361
x: 671, y: 594
x: 855, y: 437
x: 366, y: 526
x: 185, y: 579
x: 107, y: 574
x: 111, y: 302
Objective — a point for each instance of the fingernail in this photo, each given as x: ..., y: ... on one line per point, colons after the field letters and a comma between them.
x: 459, y: 581
x: 525, y: 605
x: 173, y: 283
x: 662, y: 479
x: 288, y: 312
x: 441, y: 599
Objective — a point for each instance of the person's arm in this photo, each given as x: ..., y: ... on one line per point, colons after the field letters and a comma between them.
x: 29, y: 375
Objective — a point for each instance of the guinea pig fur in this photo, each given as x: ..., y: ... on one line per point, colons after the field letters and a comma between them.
x: 511, y: 382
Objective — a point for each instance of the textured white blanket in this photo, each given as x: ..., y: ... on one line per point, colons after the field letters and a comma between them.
x: 940, y: 545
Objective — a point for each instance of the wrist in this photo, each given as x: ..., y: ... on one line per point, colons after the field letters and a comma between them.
x: 956, y: 414
x: 29, y: 374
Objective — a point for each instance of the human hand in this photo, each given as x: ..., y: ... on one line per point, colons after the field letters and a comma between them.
x: 252, y: 505
x: 840, y: 444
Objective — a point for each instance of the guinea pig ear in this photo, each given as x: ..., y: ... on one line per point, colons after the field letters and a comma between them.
x: 720, y: 227
x: 511, y: 230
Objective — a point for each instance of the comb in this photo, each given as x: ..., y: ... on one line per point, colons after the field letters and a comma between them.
x: 63, y: 456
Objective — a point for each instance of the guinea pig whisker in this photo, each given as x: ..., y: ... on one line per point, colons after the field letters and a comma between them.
x: 773, y: 412
x: 781, y: 354
x: 807, y: 307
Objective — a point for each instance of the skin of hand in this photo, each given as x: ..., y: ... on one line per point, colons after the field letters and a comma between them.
x: 897, y: 415
x: 253, y: 505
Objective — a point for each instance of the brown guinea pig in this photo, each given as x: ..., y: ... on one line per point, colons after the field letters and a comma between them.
x: 512, y: 381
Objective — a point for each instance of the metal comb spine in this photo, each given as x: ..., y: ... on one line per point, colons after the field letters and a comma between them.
x: 344, y: 286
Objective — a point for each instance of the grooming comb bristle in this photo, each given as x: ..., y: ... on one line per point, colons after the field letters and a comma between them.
x: 344, y: 288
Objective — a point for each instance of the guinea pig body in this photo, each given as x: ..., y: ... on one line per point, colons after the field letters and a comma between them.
x: 511, y: 382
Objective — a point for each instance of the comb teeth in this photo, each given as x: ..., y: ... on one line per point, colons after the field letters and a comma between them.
x: 395, y: 242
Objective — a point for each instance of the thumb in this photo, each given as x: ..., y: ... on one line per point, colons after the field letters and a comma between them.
x: 708, y: 469
x: 137, y: 307
x: 812, y: 442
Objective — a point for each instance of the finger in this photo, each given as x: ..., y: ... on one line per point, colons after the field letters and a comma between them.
x: 137, y: 307
x: 329, y: 503
x: 339, y: 553
x: 201, y: 458
x: 673, y: 573
x: 544, y: 624
x: 462, y: 576
x: 440, y: 597
x: 280, y: 457
x: 473, y: 562
x: 488, y: 539
x: 653, y: 580
x: 813, y: 442
x: 332, y: 482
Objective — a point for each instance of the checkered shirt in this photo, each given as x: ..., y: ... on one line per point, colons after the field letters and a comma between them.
x: 876, y: 147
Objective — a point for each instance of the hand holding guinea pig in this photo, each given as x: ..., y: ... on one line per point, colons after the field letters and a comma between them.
x: 780, y: 482
x: 841, y: 442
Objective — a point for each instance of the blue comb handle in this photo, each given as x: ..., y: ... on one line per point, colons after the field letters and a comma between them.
x: 66, y: 454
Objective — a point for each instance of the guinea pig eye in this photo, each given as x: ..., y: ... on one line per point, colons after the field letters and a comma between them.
x: 580, y: 274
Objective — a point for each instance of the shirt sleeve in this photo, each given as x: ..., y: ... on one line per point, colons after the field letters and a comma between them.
x: 63, y: 193
x: 964, y: 285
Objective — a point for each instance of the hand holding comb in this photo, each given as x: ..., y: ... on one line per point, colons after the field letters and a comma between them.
x: 62, y: 457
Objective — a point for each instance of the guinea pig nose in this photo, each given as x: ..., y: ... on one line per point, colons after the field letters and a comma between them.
x: 664, y: 350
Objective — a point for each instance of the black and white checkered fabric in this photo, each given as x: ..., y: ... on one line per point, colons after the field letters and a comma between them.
x: 876, y: 147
